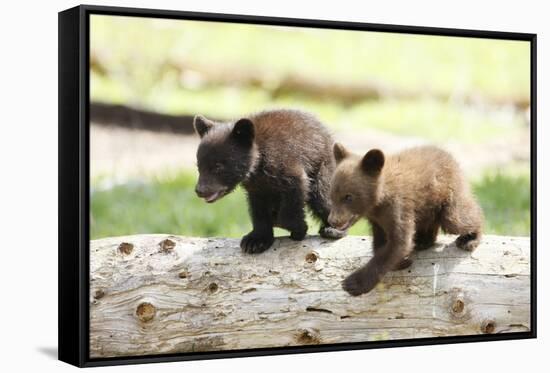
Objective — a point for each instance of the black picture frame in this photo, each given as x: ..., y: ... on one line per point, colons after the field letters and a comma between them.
x: 74, y: 187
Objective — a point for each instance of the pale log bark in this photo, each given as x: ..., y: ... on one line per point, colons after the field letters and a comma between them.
x: 153, y: 294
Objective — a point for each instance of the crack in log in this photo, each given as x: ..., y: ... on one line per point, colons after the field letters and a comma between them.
x: 315, y: 309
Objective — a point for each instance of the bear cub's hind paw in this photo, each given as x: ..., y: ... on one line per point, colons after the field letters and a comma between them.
x: 332, y: 233
x: 403, y: 264
x: 467, y: 242
x: 298, y: 230
x: 359, y: 283
x: 255, y: 242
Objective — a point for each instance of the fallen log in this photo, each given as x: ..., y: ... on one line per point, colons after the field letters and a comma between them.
x: 155, y: 294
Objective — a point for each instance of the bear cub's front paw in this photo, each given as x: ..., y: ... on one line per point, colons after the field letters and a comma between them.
x: 255, y: 242
x: 359, y: 283
x: 298, y: 235
x: 332, y: 233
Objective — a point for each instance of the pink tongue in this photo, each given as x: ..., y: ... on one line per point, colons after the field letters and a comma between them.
x: 343, y: 226
x: 212, y: 197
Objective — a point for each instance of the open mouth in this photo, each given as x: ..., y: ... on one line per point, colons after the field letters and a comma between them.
x: 346, y: 225
x: 214, y: 196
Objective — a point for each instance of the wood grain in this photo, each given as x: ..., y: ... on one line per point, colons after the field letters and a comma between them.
x: 153, y: 294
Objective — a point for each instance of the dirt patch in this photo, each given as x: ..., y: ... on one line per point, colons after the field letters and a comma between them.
x: 121, y: 154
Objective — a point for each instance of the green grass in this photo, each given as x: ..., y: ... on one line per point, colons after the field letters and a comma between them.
x: 166, y: 206
x: 137, y: 53
x: 433, y: 120
x: 170, y: 206
x: 136, y: 48
x: 505, y: 199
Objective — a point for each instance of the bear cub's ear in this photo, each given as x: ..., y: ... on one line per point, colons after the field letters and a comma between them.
x: 202, y: 125
x: 373, y: 162
x: 243, y: 132
x: 339, y: 152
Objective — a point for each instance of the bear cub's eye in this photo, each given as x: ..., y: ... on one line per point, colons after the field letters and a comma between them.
x: 218, y: 167
x: 347, y: 198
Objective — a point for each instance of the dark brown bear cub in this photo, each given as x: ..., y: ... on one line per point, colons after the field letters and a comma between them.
x: 282, y: 158
x: 406, y: 198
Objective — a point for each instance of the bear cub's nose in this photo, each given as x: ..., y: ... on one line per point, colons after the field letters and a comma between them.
x: 201, y: 190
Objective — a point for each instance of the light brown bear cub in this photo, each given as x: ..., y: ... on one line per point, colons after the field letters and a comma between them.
x: 406, y: 198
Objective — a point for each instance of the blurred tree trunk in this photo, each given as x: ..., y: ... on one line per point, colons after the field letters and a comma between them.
x: 124, y: 116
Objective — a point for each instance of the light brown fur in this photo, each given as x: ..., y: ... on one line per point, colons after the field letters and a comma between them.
x: 407, y: 198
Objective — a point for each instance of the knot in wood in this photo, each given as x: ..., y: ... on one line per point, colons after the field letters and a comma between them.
x: 488, y: 326
x: 125, y: 248
x: 167, y: 245
x: 458, y: 306
x: 308, y: 336
x: 98, y: 294
x: 183, y: 274
x: 145, y: 312
x: 212, y: 287
x: 312, y: 257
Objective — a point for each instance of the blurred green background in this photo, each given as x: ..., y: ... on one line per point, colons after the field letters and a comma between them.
x: 469, y: 96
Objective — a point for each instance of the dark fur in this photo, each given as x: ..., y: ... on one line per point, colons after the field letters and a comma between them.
x: 406, y: 198
x: 283, y: 159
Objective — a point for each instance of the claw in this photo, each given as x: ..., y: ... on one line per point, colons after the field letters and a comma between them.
x: 256, y: 243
